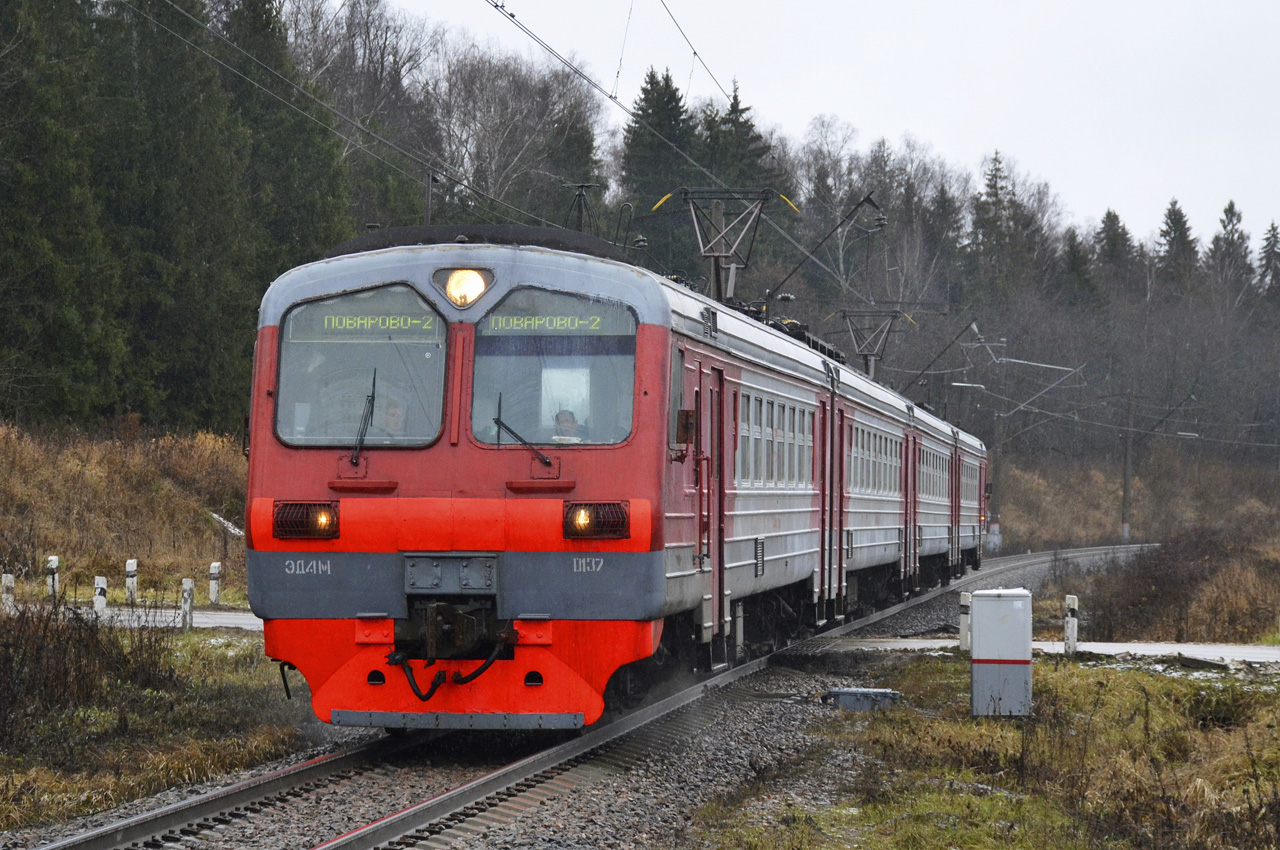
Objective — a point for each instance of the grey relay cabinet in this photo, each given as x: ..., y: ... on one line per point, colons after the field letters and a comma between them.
x: 1000, y: 625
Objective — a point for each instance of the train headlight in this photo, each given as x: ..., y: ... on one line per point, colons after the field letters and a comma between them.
x: 315, y: 520
x: 596, y: 521
x: 463, y: 286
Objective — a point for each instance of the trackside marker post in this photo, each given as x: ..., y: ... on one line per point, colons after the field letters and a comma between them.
x: 1072, y: 624
x: 215, y: 582
x: 188, y: 602
x: 131, y: 581
x: 964, y: 621
x: 10, y: 607
x: 99, y: 595
x: 51, y: 583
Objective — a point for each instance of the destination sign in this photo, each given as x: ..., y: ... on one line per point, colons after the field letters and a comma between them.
x: 530, y: 312
x: 391, y: 313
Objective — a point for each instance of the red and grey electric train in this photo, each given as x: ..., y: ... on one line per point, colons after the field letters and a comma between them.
x: 491, y: 467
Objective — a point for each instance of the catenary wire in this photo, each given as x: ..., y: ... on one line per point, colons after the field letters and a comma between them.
x: 498, y: 6
x: 419, y: 159
x: 696, y: 54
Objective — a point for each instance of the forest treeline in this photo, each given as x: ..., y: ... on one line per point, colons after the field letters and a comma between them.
x: 161, y: 161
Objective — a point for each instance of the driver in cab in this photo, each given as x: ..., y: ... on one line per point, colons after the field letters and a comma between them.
x: 567, y: 429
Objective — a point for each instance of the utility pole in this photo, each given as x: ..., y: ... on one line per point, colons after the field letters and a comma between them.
x: 431, y: 178
x: 579, y: 208
x: 1128, y: 474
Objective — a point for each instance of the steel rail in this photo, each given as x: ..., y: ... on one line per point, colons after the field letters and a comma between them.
x: 488, y: 791
x: 220, y: 802
x: 473, y: 793
x: 231, y: 800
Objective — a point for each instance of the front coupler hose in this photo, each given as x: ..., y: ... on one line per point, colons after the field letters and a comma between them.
x: 402, y: 659
x: 510, y: 636
x: 507, y: 637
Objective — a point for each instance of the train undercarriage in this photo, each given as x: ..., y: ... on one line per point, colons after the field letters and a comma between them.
x: 768, y: 621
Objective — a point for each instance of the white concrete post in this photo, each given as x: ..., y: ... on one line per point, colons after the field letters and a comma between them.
x: 131, y: 581
x: 10, y: 607
x: 965, y: 600
x: 188, y: 602
x: 215, y: 582
x: 99, y: 595
x: 51, y: 569
x: 1072, y: 623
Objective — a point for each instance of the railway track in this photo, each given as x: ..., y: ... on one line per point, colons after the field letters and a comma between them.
x: 496, y: 797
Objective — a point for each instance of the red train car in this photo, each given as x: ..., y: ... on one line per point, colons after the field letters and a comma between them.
x: 491, y: 467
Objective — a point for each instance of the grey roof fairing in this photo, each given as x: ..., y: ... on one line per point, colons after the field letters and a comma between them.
x: 655, y: 300
x: 512, y: 267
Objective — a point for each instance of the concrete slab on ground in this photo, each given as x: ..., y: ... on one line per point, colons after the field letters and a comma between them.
x: 1203, y: 651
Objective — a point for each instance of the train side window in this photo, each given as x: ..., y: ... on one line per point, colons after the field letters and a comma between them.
x: 791, y: 444
x: 808, y: 451
x: 864, y: 455
x: 784, y: 449
x: 677, y: 394
x: 744, y: 441
x: 798, y: 469
x: 855, y: 454
x: 881, y: 475
x: 875, y: 463
x: 780, y: 445
x: 757, y: 439
x: 768, y: 442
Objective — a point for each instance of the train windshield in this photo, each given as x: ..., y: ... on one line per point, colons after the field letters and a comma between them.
x: 556, y: 368
x: 367, y: 366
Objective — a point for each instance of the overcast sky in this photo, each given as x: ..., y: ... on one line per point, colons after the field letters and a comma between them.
x: 1113, y: 103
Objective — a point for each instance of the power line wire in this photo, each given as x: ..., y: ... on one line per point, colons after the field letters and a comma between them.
x: 1072, y: 417
x: 696, y: 55
x: 498, y: 6
x: 416, y: 158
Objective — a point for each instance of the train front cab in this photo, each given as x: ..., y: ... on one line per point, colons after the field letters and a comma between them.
x: 422, y: 545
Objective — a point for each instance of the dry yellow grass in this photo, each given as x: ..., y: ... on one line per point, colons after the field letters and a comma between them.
x: 1050, y: 506
x: 96, y: 502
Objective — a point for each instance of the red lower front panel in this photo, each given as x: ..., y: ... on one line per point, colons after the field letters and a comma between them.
x: 573, y: 659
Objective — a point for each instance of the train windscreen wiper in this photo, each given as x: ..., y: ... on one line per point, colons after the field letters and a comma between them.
x: 502, y: 426
x: 365, y: 421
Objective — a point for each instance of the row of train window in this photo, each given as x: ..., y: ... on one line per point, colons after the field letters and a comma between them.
x: 875, y: 462
x: 935, y: 472
x: 969, y: 482
x: 775, y: 443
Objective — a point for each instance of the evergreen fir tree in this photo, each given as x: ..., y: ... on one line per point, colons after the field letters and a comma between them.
x: 1075, y: 281
x: 172, y: 165
x: 1269, y: 264
x: 1178, y: 255
x: 61, y: 353
x: 1114, y: 263
x: 296, y: 181
x: 943, y: 232
x: 1227, y: 265
x: 653, y: 166
x: 734, y: 150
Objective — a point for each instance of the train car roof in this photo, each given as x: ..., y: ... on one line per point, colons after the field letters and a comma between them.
x: 388, y: 253
x: 766, y: 345
x: 555, y: 238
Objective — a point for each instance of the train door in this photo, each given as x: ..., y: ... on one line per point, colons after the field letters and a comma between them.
x: 840, y: 471
x: 822, y: 455
x: 910, y: 508
x: 709, y: 471
x: 954, y: 491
